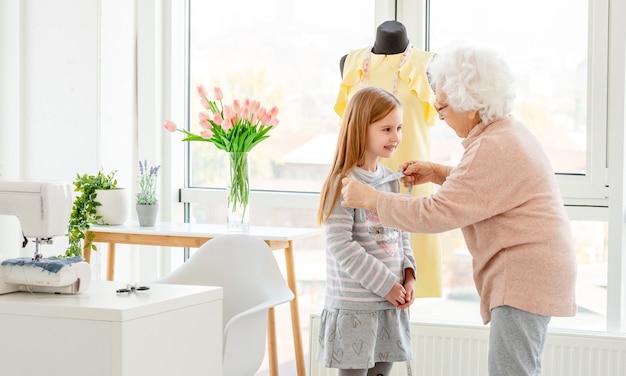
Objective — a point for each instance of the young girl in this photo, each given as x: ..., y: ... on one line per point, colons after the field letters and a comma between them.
x: 370, y: 270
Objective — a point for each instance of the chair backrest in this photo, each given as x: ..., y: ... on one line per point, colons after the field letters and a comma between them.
x: 247, y: 271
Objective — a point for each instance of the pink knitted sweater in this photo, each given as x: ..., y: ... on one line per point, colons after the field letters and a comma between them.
x: 504, y: 196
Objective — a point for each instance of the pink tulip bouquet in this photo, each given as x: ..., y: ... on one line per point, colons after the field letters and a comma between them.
x: 236, y: 129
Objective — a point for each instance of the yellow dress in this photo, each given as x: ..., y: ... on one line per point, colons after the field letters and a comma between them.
x: 416, y: 97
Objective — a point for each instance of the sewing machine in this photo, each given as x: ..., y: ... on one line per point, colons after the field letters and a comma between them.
x: 43, y: 210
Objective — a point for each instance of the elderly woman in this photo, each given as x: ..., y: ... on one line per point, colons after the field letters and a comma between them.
x: 504, y: 196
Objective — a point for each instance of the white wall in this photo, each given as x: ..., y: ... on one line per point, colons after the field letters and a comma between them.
x: 9, y: 120
x: 70, y: 103
x: 67, y: 98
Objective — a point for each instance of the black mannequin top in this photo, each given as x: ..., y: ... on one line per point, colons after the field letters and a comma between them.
x: 391, y: 38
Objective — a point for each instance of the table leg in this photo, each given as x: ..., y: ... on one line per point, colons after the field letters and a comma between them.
x: 295, y: 312
x: 87, y: 254
x: 271, y: 342
x: 87, y: 248
x: 111, y: 262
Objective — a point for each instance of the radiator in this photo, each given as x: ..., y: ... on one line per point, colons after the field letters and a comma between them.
x: 461, y: 350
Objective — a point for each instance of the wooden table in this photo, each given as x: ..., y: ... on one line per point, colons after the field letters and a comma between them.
x: 193, y: 235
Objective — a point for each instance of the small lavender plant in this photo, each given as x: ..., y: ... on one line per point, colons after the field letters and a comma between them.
x: 147, y: 184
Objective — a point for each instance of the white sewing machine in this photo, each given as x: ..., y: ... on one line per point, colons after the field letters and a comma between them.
x: 43, y: 209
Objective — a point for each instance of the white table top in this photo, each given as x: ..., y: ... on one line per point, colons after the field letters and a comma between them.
x: 102, y: 302
x: 208, y: 230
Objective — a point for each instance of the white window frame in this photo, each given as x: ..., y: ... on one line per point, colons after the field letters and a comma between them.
x: 591, y: 189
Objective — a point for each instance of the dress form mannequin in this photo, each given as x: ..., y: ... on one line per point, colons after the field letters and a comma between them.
x: 391, y: 64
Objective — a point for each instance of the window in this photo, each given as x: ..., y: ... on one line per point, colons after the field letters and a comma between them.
x: 556, y: 102
x: 554, y: 66
x: 277, y: 53
x: 284, y: 58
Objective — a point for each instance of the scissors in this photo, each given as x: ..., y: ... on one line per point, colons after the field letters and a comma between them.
x: 132, y: 288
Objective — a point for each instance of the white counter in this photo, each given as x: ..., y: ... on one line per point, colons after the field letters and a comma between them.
x: 167, y: 330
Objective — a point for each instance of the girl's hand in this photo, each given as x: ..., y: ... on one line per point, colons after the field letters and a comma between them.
x: 409, y: 297
x: 409, y: 286
x: 358, y: 195
x: 397, y: 295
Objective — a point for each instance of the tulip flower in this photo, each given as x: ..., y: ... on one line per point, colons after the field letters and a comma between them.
x: 206, y: 124
x: 205, y: 103
x: 274, y: 111
x: 226, y: 124
x: 217, y: 118
x: 201, y: 91
x: 261, y: 114
x: 170, y: 126
x: 255, y: 106
x: 245, y: 112
x: 204, y: 115
x: 236, y: 106
x: 217, y: 93
x: 229, y: 112
x: 267, y: 118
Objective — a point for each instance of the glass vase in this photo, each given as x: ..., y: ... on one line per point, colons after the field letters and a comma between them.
x: 238, y: 217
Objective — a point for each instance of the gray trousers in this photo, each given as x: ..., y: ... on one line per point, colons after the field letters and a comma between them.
x: 516, y: 342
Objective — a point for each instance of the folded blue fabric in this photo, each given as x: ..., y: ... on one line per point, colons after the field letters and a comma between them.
x: 50, y: 264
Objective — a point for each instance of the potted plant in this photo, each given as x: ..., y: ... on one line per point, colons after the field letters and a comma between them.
x: 147, y: 203
x: 84, y: 209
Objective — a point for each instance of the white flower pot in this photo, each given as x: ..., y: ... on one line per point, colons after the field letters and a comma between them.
x: 115, y: 206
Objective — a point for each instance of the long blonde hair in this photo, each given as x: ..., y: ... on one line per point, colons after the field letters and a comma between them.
x: 367, y: 106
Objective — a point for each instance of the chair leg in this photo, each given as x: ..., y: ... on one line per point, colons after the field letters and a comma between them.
x: 271, y: 342
x: 295, y: 311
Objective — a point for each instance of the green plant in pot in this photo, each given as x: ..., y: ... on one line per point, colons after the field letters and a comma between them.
x: 147, y: 202
x: 147, y: 184
x: 84, y: 212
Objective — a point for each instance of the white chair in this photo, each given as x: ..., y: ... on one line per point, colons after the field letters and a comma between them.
x: 247, y: 271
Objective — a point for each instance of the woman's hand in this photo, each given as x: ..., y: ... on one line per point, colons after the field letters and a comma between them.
x: 420, y: 172
x: 358, y: 195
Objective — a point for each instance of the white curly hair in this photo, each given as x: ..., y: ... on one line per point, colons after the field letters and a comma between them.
x: 474, y: 78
